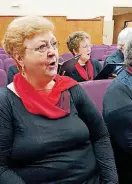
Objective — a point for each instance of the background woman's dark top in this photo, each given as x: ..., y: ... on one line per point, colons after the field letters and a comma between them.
x: 118, y: 116
x: 69, y: 69
x: 117, y: 57
x: 37, y: 150
x: 11, y: 72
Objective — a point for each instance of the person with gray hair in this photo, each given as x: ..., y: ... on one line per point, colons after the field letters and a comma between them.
x: 117, y: 113
x: 118, y: 56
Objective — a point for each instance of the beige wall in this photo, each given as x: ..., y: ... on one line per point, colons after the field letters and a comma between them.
x: 72, y: 9
x: 129, y: 24
x: 108, y: 32
x: 119, y: 24
x: 69, y: 8
x: 64, y: 27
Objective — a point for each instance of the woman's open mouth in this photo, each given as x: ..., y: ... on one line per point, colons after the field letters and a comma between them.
x: 53, y: 63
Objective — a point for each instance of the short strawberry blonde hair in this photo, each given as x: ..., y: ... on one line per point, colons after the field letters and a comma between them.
x: 74, y: 39
x: 20, y: 29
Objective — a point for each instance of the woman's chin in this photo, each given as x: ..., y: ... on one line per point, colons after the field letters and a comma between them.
x: 52, y: 74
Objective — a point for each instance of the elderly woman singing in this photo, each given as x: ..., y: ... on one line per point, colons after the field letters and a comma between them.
x: 50, y: 132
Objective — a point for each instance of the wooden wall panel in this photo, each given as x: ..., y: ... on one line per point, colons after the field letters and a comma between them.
x: 64, y: 26
x: 119, y: 24
x: 4, y: 21
x: 129, y: 24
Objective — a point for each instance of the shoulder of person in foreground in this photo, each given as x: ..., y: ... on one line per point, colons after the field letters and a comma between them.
x: 117, y: 95
x: 117, y: 109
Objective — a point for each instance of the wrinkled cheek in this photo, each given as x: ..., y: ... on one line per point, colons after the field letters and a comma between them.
x: 85, y: 54
x: 89, y: 50
x: 57, y: 53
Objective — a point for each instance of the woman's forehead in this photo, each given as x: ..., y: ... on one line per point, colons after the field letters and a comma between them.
x: 85, y: 41
x: 40, y: 37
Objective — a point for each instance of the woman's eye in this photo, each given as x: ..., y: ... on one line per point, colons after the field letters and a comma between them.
x: 54, y: 43
x: 42, y: 46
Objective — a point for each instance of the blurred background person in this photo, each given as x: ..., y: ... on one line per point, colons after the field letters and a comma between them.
x: 11, y: 72
x: 82, y: 68
x: 117, y: 113
x: 118, y: 56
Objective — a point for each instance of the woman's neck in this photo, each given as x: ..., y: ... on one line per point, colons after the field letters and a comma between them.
x: 42, y: 84
x: 82, y: 62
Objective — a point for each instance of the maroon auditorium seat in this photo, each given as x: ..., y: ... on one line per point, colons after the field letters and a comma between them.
x: 96, y: 90
x: 66, y: 56
x: 1, y: 65
x: 97, y: 53
x: 7, y: 63
x: 3, y: 78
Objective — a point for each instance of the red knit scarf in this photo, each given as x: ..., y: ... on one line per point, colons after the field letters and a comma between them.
x: 46, y: 104
x: 85, y: 74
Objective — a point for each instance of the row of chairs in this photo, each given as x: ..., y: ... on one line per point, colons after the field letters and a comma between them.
x: 94, y: 89
x: 93, y: 46
x: 101, y: 53
x: 3, y: 78
x: 97, y: 53
x: 6, y: 63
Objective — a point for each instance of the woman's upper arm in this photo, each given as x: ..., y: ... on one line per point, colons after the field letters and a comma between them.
x: 117, y: 113
x: 6, y: 131
x: 6, y: 142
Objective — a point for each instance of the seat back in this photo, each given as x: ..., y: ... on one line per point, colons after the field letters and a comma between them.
x: 3, y: 78
x: 2, y: 52
x: 113, y: 49
x: 7, y: 63
x: 97, y: 53
x: 96, y: 90
x: 66, y: 56
x: 3, y: 57
x: 114, y: 45
x: 100, y: 46
x: 60, y: 60
x: 104, y: 57
x: 110, y: 52
x: 1, y: 65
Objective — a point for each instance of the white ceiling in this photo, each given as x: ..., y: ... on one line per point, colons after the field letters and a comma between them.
x: 121, y: 10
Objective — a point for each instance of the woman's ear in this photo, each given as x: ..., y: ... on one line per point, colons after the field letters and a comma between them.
x: 75, y: 52
x: 19, y: 59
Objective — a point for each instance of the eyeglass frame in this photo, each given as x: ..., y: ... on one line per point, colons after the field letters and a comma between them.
x: 87, y: 46
x: 38, y: 49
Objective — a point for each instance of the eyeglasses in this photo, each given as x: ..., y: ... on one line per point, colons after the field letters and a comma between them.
x: 87, y: 46
x: 45, y: 46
